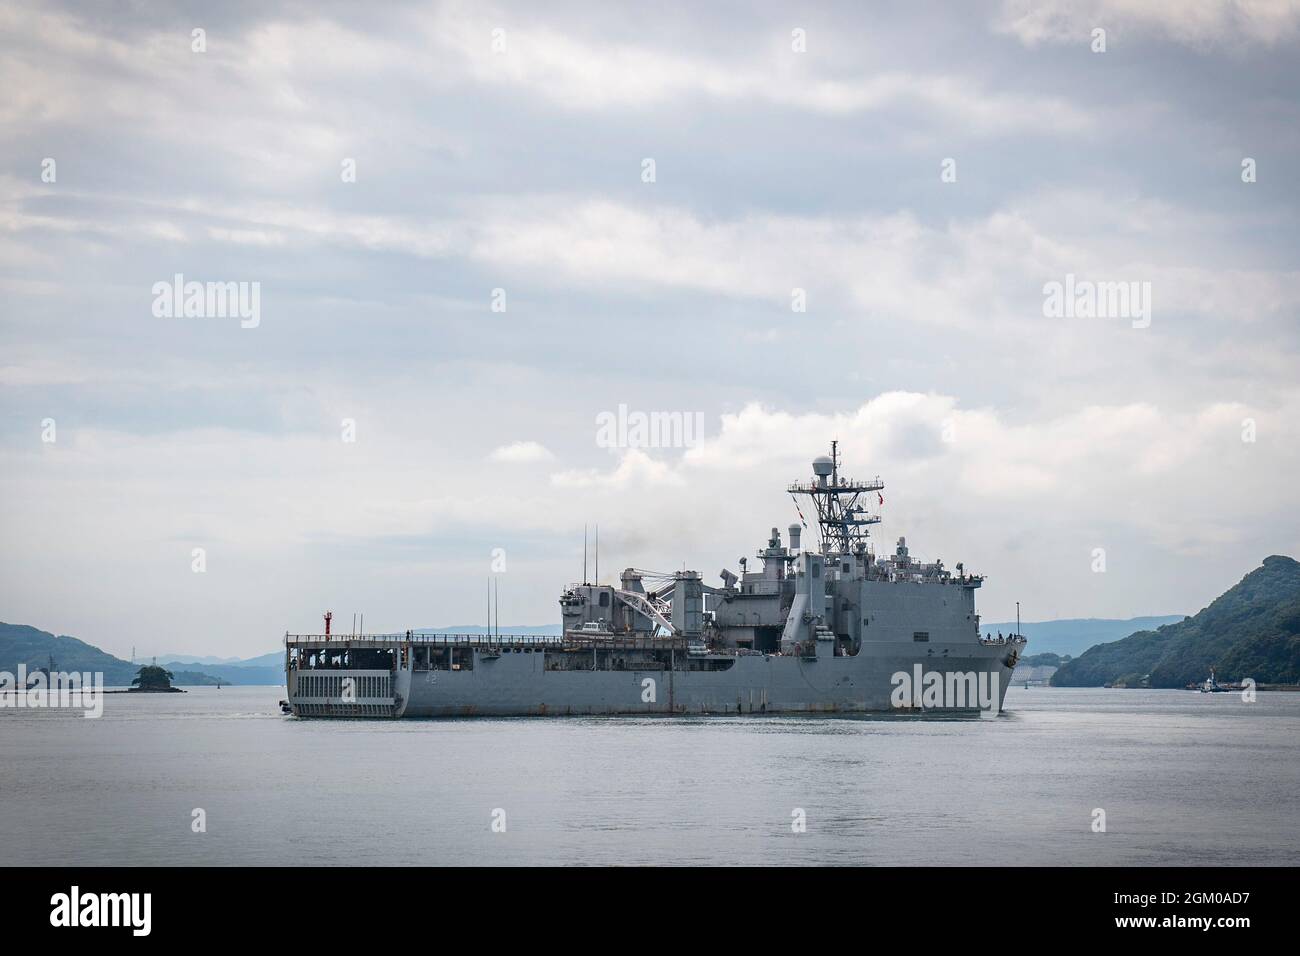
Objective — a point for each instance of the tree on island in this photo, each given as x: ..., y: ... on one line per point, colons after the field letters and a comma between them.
x: 152, y: 677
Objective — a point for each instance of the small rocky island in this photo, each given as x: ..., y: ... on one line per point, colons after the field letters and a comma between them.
x: 153, y: 679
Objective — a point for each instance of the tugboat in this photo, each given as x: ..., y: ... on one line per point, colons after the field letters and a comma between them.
x: 1212, y: 686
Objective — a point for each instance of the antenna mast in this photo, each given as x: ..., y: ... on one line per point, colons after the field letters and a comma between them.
x: 842, y: 519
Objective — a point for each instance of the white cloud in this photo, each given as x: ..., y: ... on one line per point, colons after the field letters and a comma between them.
x: 520, y: 452
x: 1197, y: 23
x: 635, y: 469
x: 973, y: 272
x: 272, y: 85
x: 251, y: 237
x: 1133, y: 465
x: 967, y: 272
x: 574, y: 71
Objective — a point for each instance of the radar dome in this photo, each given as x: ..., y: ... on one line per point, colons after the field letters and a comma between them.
x: 822, y: 465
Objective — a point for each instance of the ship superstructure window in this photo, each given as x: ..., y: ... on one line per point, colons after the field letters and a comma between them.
x: 604, y: 599
x: 921, y: 637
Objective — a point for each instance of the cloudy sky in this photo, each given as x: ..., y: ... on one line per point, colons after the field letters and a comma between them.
x: 504, y: 148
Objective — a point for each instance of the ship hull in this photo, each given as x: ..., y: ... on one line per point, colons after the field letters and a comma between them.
x: 883, y: 678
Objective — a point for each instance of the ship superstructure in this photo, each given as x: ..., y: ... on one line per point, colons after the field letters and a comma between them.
x: 835, y: 629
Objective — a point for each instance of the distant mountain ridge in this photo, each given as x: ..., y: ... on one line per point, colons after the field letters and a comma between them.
x: 241, y: 673
x: 192, y: 659
x: 24, y: 644
x: 1251, y: 630
x: 1073, y: 636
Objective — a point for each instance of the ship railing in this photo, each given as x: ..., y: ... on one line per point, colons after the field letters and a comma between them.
x: 1007, y: 639
x: 416, y: 637
x: 568, y: 642
x: 922, y: 576
x: 847, y: 487
x: 625, y: 642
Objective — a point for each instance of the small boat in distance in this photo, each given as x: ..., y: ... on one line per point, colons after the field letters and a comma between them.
x: 1212, y: 686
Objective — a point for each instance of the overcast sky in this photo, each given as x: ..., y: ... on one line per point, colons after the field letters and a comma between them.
x: 1017, y: 442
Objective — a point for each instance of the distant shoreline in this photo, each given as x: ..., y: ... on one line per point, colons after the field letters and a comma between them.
x: 136, y: 690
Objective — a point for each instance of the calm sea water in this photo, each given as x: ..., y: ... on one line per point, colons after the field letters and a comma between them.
x: 1184, y: 778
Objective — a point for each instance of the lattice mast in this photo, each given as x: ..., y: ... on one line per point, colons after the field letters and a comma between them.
x: 842, y: 516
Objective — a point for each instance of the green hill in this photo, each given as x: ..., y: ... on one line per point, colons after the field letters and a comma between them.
x: 23, y: 644
x: 1046, y: 659
x: 1251, y: 630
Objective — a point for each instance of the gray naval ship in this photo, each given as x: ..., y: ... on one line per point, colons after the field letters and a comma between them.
x: 831, y: 630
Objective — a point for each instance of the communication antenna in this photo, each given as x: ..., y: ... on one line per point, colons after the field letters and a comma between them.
x: 496, y: 602
x: 584, y: 554
x: 597, y: 555
x: 843, y: 517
